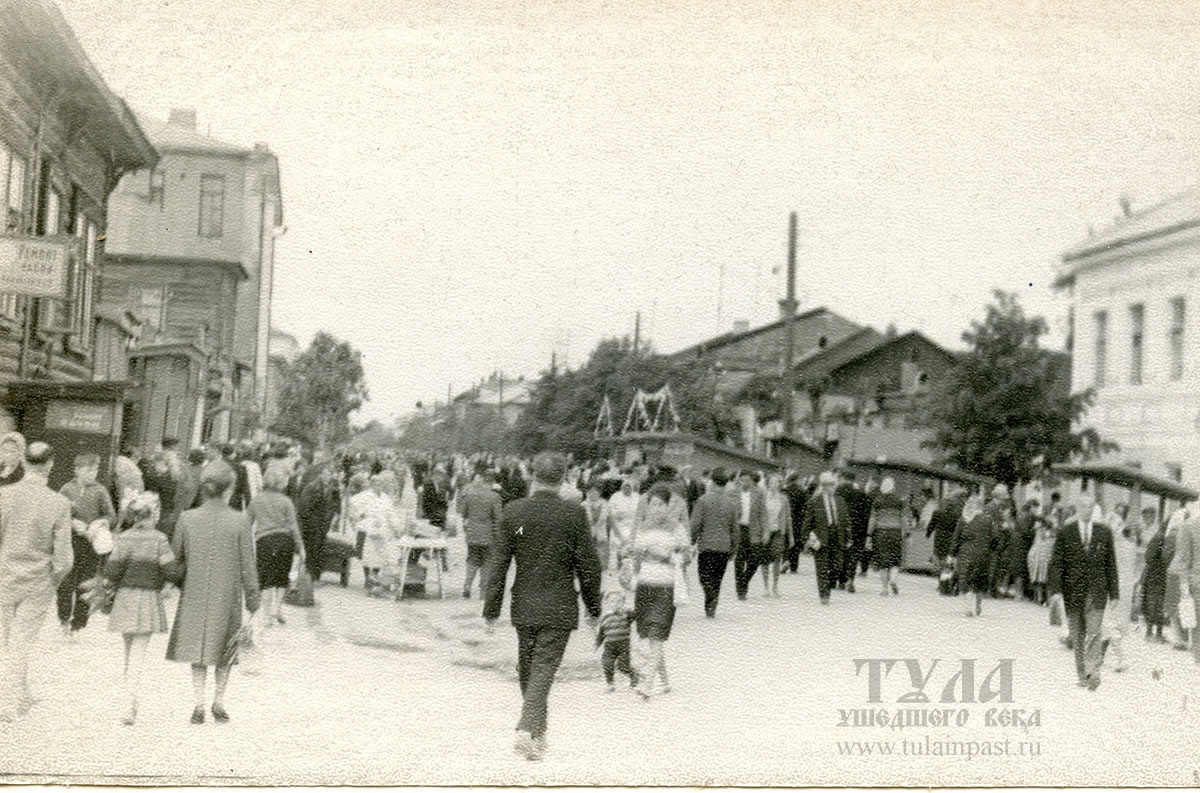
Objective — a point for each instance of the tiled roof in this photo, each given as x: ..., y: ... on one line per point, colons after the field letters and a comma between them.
x: 1178, y: 212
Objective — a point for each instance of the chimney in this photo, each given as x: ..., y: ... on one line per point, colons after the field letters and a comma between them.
x: 741, y: 325
x: 185, y: 118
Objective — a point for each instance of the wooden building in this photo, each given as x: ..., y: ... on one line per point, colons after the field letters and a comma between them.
x: 65, y: 141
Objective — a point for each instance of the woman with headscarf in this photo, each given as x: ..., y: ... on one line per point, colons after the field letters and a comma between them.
x: 971, y: 549
x: 885, y: 535
x: 215, y: 547
x: 12, y: 456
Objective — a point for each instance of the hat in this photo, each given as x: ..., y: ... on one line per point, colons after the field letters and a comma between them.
x: 1000, y: 491
x: 887, y: 485
x: 827, y: 478
x: 39, y: 452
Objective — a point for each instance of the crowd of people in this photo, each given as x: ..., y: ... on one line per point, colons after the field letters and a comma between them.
x: 234, y: 527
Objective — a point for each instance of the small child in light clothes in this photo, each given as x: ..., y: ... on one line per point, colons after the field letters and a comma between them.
x: 613, y: 632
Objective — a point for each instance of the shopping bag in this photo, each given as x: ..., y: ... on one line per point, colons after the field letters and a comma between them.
x: 1187, y: 610
x: 682, y: 596
x: 627, y: 576
x: 300, y: 593
x: 946, y: 582
x: 1057, y: 610
x: 244, y: 650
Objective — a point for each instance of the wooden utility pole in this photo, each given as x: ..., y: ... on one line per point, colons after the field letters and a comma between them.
x: 788, y: 307
x: 637, y: 332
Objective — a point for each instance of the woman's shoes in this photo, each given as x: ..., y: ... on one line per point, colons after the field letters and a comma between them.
x: 219, y: 714
x: 198, y: 715
x: 895, y: 589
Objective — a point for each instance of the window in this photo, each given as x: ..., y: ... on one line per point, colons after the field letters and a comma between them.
x: 1178, y: 314
x: 1101, y: 347
x: 1137, y: 327
x: 1174, y: 471
x: 158, y: 187
x: 212, y: 205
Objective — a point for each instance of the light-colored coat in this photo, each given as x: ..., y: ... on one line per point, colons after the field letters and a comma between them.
x: 35, y: 540
x: 1186, y: 561
x: 216, y: 547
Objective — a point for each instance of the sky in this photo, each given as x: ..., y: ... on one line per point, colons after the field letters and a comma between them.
x: 470, y: 187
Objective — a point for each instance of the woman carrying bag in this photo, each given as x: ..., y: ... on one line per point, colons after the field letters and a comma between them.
x: 215, y: 548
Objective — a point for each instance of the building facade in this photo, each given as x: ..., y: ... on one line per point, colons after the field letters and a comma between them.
x: 65, y: 141
x: 1135, y: 299
x: 192, y: 242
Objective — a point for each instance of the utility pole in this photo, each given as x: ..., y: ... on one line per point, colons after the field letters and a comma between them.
x: 788, y: 307
x: 637, y: 332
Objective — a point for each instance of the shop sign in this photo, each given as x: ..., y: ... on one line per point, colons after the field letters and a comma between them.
x: 95, y: 418
x: 34, y: 266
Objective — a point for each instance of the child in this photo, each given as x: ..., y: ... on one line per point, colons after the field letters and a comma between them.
x: 140, y: 563
x: 613, y: 632
x: 89, y: 503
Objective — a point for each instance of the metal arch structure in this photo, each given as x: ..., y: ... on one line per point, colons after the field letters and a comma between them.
x: 652, y: 412
x: 604, y: 422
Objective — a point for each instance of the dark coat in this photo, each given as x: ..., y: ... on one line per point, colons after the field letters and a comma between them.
x: 714, y: 521
x: 1159, y: 553
x: 551, y: 541
x: 435, y: 501
x: 972, y: 547
x: 315, y: 508
x: 817, y: 522
x: 1085, y: 577
x: 859, y: 505
x: 943, y: 525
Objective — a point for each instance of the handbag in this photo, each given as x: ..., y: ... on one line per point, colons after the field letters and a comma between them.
x: 682, y: 596
x: 300, y: 593
x: 101, y: 536
x: 1187, y: 609
x: 627, y: 575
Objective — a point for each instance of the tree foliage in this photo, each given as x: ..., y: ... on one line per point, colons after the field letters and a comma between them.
x: 320, y: 389
x: 565, y: 404
x: 1007, y: 404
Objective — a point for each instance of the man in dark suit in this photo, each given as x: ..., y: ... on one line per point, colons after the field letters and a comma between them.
x: 858, y: 505
x: 827, y: 532
x: 1083, y: 572
x: 553, y: 547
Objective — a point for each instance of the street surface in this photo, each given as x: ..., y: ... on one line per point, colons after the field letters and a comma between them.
x: 367, y: 691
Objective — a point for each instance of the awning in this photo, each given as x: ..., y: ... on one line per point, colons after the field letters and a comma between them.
x: 1128, y: 477
x: 917, y: 467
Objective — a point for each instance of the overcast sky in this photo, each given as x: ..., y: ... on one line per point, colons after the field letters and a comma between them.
x: 469, y: 186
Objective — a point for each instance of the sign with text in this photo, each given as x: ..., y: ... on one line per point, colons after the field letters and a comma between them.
x: 95, y: 418
x: 35, y: 266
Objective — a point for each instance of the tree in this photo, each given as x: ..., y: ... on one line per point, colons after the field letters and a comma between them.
x: 1007, y: 402
x: 564, y: 405
x: 320, y: 390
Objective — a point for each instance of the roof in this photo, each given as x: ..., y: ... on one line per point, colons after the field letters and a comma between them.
x: 37, y: 39
x: 1176, y: 213
x: 823, y: 363
x: 178, y: 138
x: 237, y: 268
x: 854, y: 348
x: 918, y: 467
x: 725, y: 339
x: 1125, y: 476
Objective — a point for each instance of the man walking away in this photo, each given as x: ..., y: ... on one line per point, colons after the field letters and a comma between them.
x: 35, y: 557
x: 479, y: 505
x: 1083, y: 572
x: 714, y: 532
x: 553, y: 547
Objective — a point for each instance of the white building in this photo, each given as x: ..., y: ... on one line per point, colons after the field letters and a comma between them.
x: 1135, y: 306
